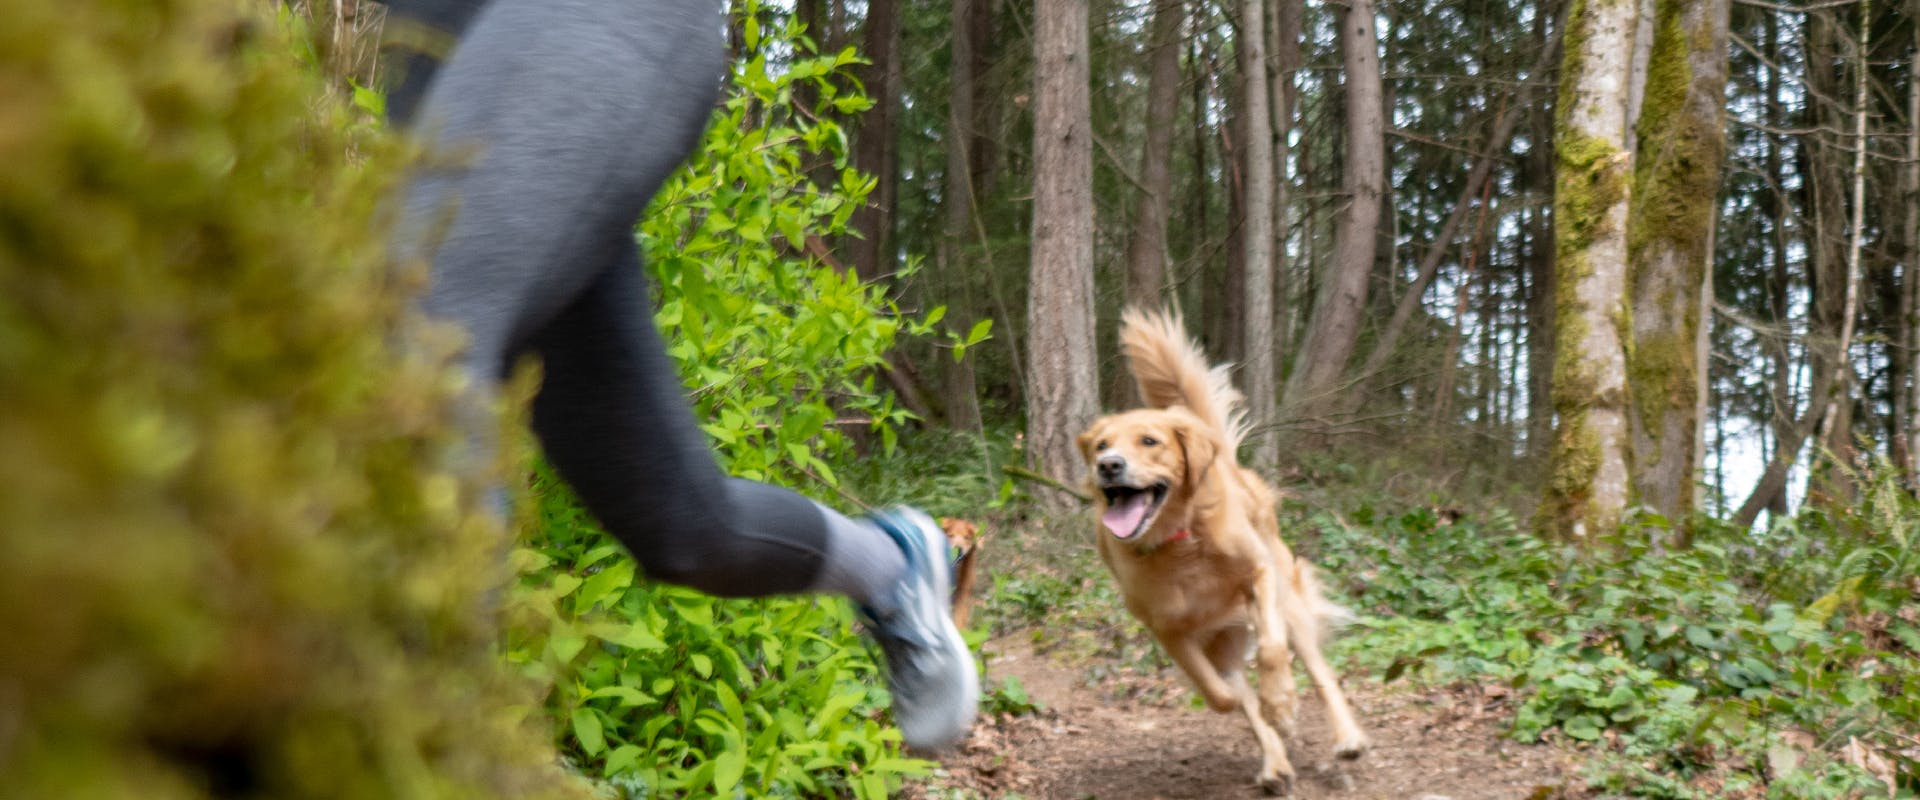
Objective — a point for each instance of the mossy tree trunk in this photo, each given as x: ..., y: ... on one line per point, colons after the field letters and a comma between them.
x: 1062, y: 376
x: 1682, y: 141
x: 1587, y: 486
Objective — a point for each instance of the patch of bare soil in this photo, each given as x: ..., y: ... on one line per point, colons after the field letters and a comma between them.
x: 1138, y: 737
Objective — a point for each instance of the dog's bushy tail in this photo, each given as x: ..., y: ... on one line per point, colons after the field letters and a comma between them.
x: 1324, y: 615
x: 1171, y: 371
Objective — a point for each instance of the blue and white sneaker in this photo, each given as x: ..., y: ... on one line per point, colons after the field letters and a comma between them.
x: 936, y: 691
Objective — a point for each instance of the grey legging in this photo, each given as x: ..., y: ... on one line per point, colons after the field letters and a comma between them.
x: 555, y: 122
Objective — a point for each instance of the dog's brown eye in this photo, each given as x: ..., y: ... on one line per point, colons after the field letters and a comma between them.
x: 1148, y: 441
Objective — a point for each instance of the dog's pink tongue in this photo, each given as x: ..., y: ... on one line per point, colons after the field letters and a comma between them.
x: 1124, y: 519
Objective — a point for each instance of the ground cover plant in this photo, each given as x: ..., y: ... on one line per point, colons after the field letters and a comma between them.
x: 1779, y: 663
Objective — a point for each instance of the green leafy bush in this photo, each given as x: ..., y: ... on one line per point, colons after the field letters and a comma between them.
x: 776, y: 347
x: 233, y: 561
x: 666, y: 691
x: 662, y: 690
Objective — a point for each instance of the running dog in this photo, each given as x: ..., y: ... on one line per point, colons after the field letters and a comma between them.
x: 1194, y: 544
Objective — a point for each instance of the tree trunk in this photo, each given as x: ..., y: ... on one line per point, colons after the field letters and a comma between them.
x: 1147, y: 284
x: 1062, y: 373
x: 1537, y: 170
x: 1836, y: 429
x: 1286, y: 60
x: 1229, y: 321
x: 1836, y: 256
x: 1910, y: 270
x: 1256, y: 231
x: 1315, y: 382
x: 873, y: 144
x: 962, y: 393
x: 1540, y: 293
x: 1587, y: 484
x: 1676, y: 179
x: 1147, y: 245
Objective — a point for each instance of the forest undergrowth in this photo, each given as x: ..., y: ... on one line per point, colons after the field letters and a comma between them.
x: 1777, y: 663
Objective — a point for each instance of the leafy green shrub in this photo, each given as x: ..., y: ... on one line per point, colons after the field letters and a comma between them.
x: 775, y: 346
x: 662, y: 690
x: 232, y: 559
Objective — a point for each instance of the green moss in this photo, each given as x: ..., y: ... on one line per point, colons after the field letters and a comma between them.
x: 1661, y: 368
x: 232, y: 559
x: 1676, y: 180
x: 1574, y: 457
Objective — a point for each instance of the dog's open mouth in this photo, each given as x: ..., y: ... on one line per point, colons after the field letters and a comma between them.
x: 1131, y: 509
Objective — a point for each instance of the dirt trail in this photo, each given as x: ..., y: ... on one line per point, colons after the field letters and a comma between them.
x: 1138, y: 738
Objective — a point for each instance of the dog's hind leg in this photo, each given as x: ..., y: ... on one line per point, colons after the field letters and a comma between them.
x: 1227, y: 689
x: 1350, y: 742
x: 1279, y: 692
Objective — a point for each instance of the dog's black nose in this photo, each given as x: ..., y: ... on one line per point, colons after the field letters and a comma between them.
x: 1111, y: 465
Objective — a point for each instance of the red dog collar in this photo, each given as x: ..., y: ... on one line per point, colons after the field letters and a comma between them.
x: 1177, y: 536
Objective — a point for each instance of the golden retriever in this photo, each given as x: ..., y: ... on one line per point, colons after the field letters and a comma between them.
x: 1194, y: 544
x: 963, y: 537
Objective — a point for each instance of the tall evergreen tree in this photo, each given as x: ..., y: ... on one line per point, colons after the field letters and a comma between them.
x: 1061, y: 397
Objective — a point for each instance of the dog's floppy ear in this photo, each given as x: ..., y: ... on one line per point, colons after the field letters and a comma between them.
x: 1198, y: 450
x: 1085, y: 440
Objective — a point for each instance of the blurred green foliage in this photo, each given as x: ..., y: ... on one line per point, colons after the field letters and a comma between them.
x: 233, y: 559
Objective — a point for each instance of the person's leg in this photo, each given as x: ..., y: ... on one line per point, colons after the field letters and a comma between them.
x: 564, y: 117
x: 613, y: 418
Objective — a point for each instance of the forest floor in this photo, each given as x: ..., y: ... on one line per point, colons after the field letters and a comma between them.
x: 1135, y: 734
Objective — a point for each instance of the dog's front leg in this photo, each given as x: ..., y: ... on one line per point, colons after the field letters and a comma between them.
x: 1228, y: 693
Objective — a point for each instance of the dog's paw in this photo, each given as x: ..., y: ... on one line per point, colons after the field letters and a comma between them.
x: 1276, y: 785
x: 1352, y: 747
